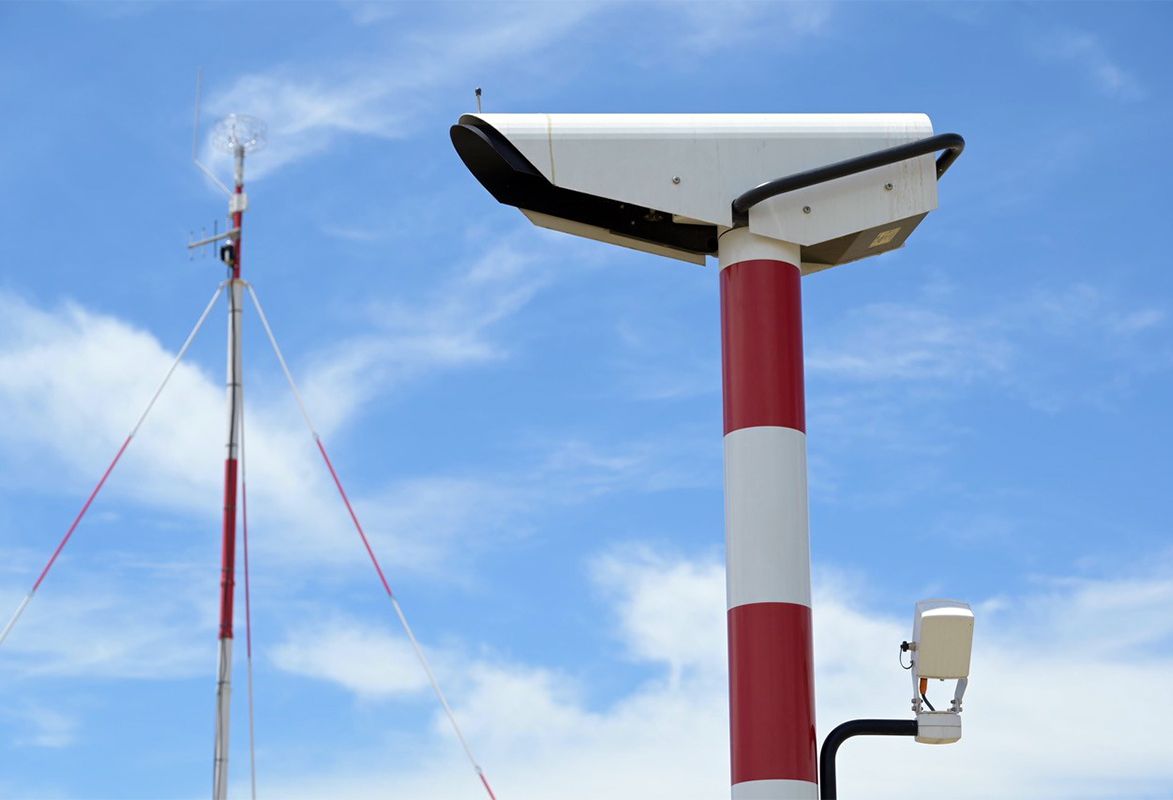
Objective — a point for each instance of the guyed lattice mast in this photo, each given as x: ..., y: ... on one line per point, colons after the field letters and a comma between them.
x: 239, y: 135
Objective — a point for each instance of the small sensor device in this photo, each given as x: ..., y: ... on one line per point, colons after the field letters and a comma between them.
x: 942, y: 642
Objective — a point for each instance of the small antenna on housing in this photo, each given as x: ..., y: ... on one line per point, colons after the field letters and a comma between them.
x: 478, y: 94
x: 195, y: 138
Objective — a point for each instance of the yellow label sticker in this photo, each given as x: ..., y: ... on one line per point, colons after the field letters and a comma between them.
x: 884, y: 237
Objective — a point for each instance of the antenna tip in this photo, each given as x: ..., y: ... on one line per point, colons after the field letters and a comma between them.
x: 478, y: 91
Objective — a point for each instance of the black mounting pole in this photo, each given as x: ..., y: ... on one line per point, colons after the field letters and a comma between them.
x: 856, y: 727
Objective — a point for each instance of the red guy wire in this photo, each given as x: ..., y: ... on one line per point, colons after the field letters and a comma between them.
x: 80, y: 514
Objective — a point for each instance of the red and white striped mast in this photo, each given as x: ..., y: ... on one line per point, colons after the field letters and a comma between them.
x: 238, y: 135
x: 774, y: 751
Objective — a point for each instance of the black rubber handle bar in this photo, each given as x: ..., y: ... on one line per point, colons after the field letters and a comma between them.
x: 951, y: 143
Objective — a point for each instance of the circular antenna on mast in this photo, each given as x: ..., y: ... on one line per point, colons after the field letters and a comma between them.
x: 239, y: 132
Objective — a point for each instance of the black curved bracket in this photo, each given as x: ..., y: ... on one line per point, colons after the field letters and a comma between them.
x: 951, y: 143
x: 828, y: 790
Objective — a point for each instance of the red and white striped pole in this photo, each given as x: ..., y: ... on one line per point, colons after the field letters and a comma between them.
x: 228, y: 549
x: 771, y: 668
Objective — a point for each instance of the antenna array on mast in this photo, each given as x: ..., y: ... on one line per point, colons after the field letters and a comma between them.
x: 239, y: 132
x: 195, y: 138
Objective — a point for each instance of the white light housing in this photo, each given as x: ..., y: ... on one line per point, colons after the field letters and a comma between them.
x: 665, y: 183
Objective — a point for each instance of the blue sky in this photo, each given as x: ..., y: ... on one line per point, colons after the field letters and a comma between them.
x: 530, y: 424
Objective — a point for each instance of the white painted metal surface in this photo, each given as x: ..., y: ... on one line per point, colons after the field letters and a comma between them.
x: 775, y: 790
x: 223, y: 721
x: 767, y: 545
x: 742, y: 245
x: 694, y: 165
x: 855, y: 203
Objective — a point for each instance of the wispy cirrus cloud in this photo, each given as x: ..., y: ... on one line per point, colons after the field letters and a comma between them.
x: 862, y: 357
x: 371, y: 12
x: 44, y: 726
x: 895, y: 374
x: 452, y: 327
x: 309, y: 108
x: 708, y: 26
x: 383, y: 94
x: 132, y: 619
x: 1090, y: 54
x: 934, y: 343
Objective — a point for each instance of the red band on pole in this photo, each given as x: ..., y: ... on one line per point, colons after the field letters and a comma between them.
x: 771, y: 693
x: 228, y: 553
x: 761, y: 345
x: 237, y: 221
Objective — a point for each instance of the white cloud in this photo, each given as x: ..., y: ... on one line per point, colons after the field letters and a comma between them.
x: 72, y: 382
x: 1087, y: 51
x: 930, y: 342
x: 670, y: 611
x: 367, y: 661
x: 41, y: 726
x: 382, y: 95
x: 409, y: 338
x: 1048, y: 712
x: 355, y: 233
x: 711, y: 26
x: 99, y: 628
x: 368, y: 12
x: 65, y: 377
x: 658, y: 360
x: 889, y: 341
